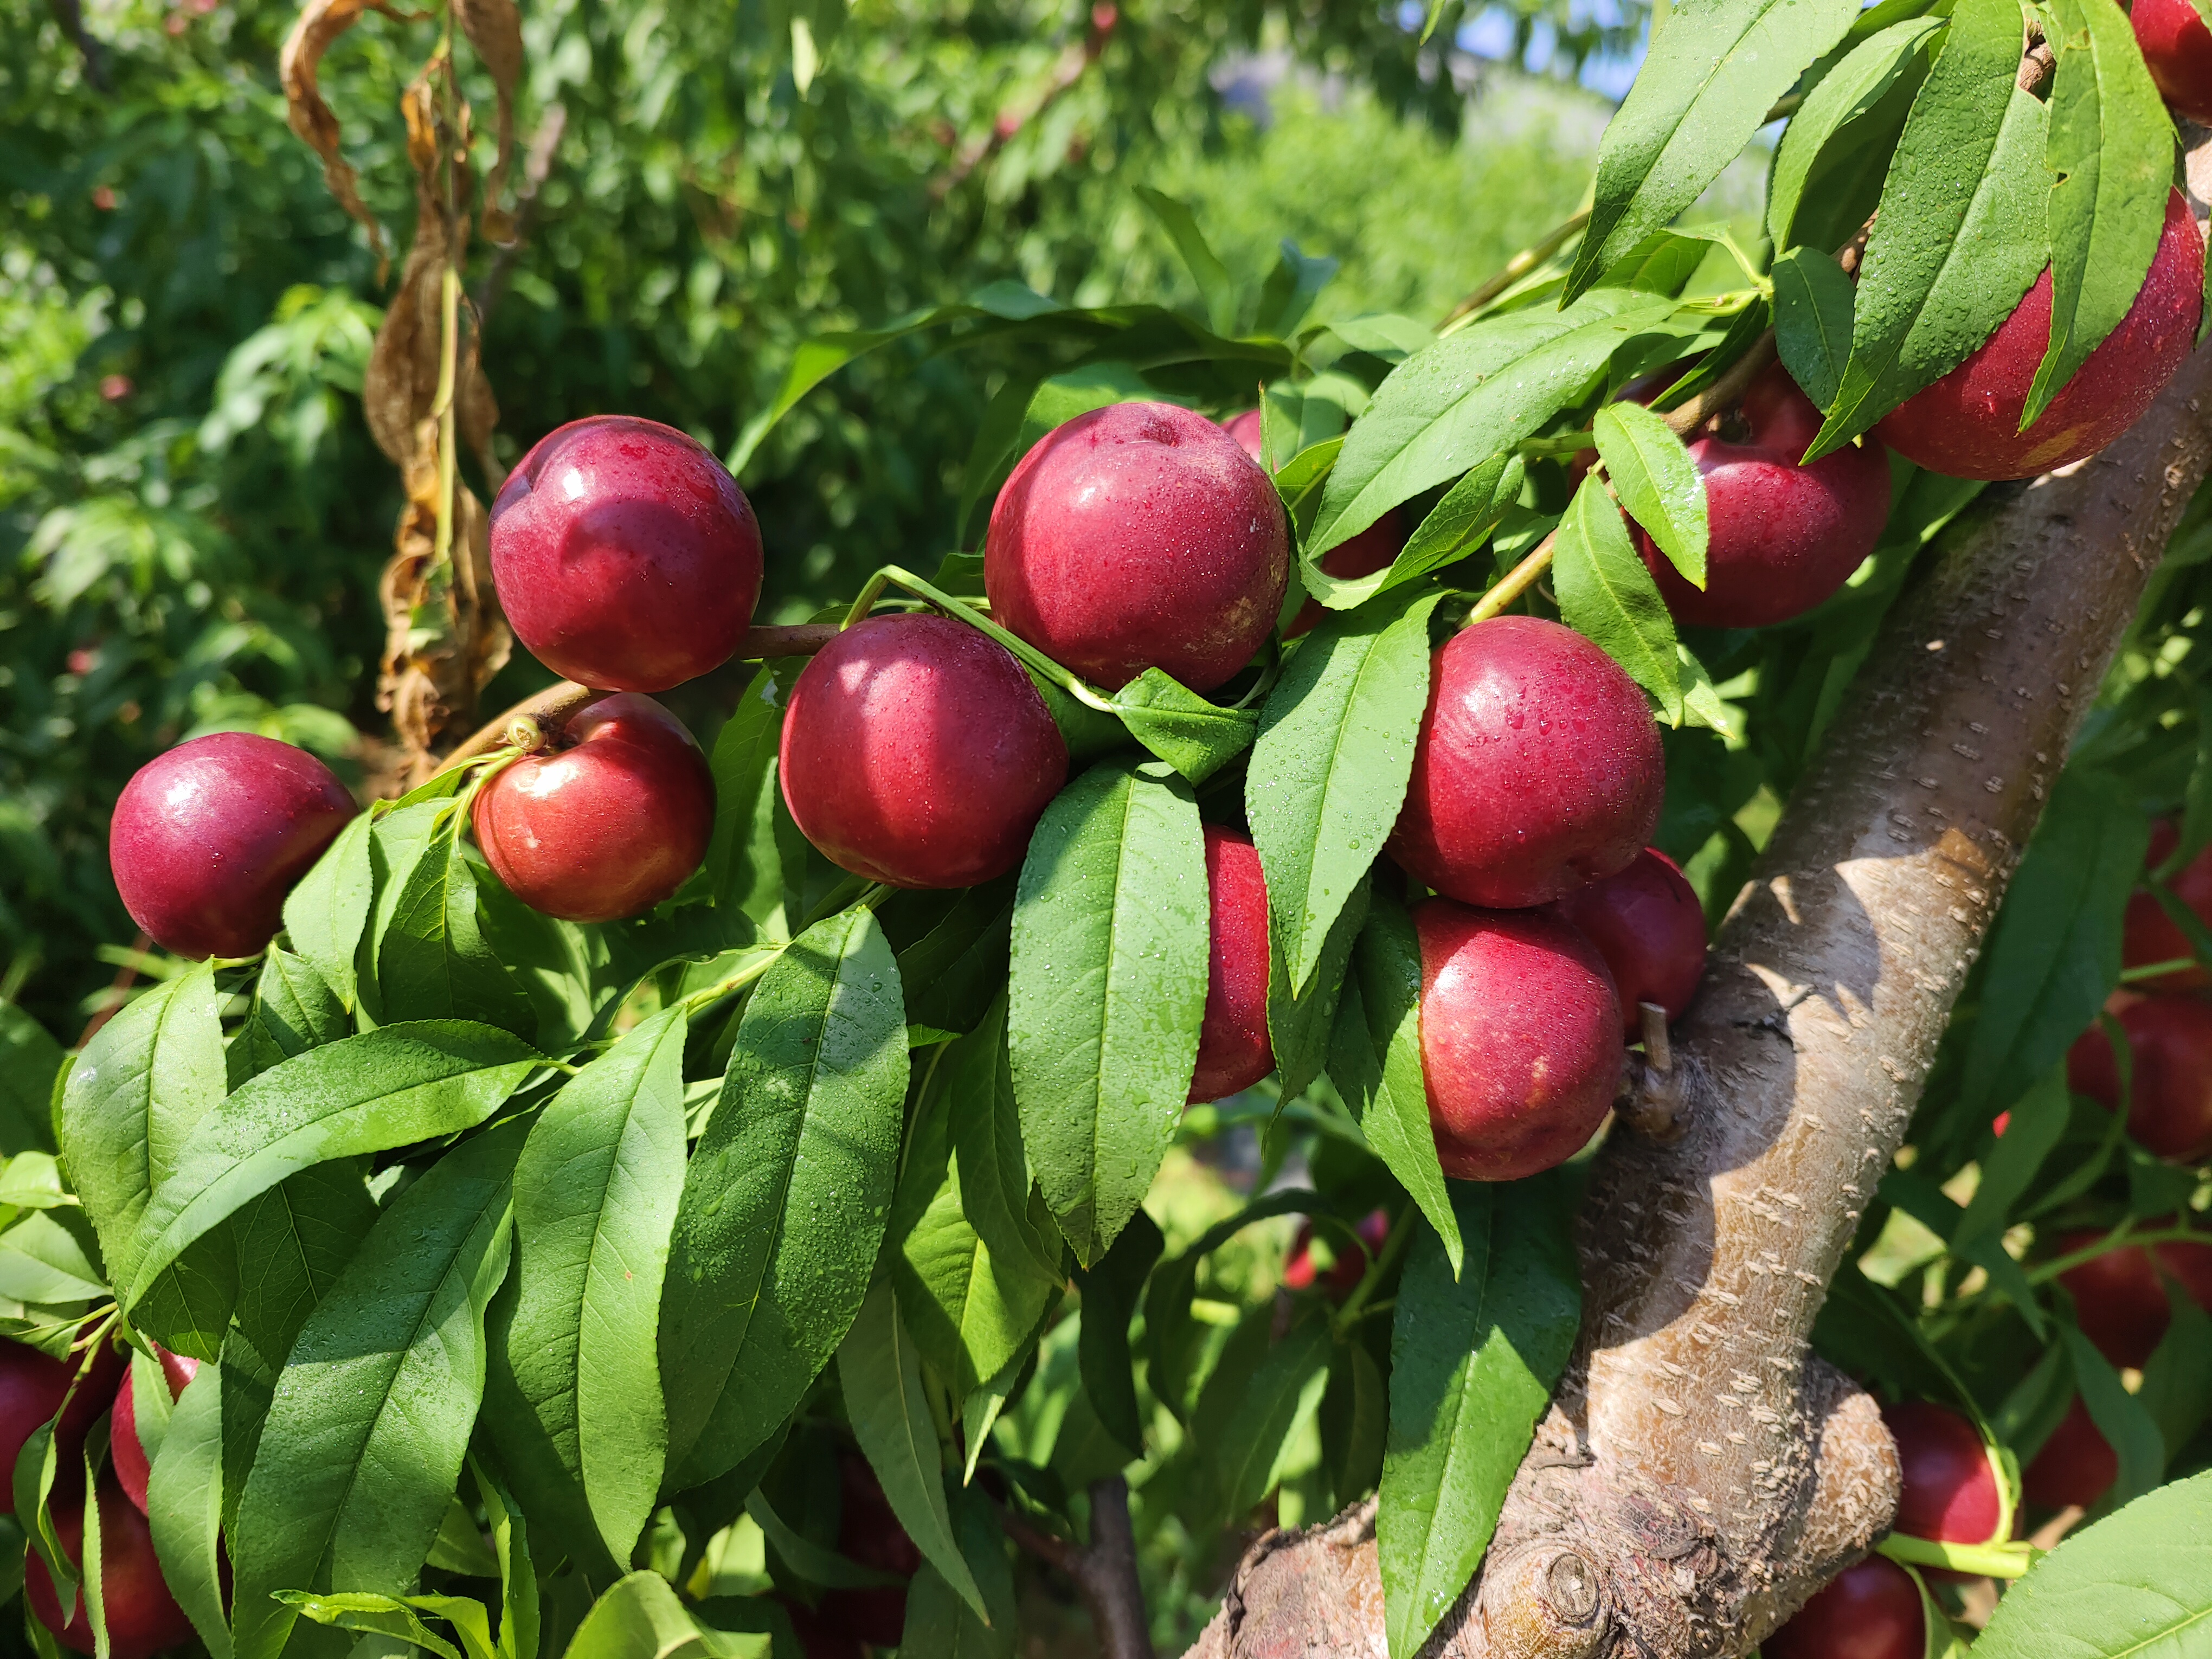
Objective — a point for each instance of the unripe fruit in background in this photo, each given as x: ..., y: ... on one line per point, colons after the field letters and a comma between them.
x: 1520, y: 1039
x: 2178, y: 47
x: 1949, y: 1487
x: 1648, y: 924
x: 1372, y: 549
x: 2170, y: 1108
x: 2119, y: 1297
x: 32, y: 1388
x: 1351, y: 1264
x: 207, y: 839
x: 916, y: 751
x: 626, y: 557
x: 1967, y: 424
x: 1139, y: 536
x: 1783, y: 537
x: 2150, y: 934
x: 1537, y: 767
x: 132, y: 1465
x: 142, y: 1617
x: 611, y: 823
x: 2077, y: 1465
x: 1870, y: 1611
x: 1234, y: 1049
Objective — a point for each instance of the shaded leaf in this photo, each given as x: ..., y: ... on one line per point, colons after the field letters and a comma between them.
x: 1605, y: 593
x: 1847, y: 94
x: 1657, y: 483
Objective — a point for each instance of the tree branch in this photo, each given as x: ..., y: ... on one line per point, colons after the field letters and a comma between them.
x: 1104, y: 1570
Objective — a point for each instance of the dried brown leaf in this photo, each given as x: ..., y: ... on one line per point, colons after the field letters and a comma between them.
x: 494, y: 29
x: 320, y: 23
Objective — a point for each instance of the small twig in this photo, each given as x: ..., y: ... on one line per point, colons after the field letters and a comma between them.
x: 2035, y: 63
x: 1658, y: 1050
x: 1519, y: 266
x: 1104, y: 1570
x: 1516, y: 582
x: 1726, y: 391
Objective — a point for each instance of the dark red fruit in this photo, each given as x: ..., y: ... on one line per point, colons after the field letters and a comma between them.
x: 1350, y: 1265
x: 1520, y: 1039
x: 132, y: 1465
x: 817, y: 1637
x: 2119, y: 1297
x: 143, y: 1617
x: 1783, y: 537
x: 1967, y: 424
x: 870, y: 1533
x: 2150, y: 935
x: 1648, y: 924
x: 1538, y: 768
x: 1234, y: 1050
x: 2077, y: 1464
x: 916, y: 751
x: 1950, y: 1492
x: 1871, y: 1610
x: 2178, y: 49
x: 2170, y: 1110
x: 609, y: 823
x: 31, y: 1391
x: 626, y: 557
x: 207, y: 839
x: 1372, y: 549
x: 1139, y: 536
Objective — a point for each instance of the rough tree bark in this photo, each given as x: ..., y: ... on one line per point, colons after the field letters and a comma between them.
x: 1700, y: 1473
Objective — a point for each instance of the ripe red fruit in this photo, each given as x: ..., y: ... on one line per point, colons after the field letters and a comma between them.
x: 1520, y: 1039
x: 32, y: 1387
x: 1783, y: 537
x: 1648, y: 924
x: 1234, y: 1049
x: 869, y: 1534
x: 1139, y: 536
x: 2170, y: 1111
x: 1950, y: 1486
x: 207, y: 839
x: 1350, y: 1265
x: 2120, y: 1297
x: 817, y: 1637
x: 1538, y: 768
x: 916, y: 751
x: 2178, y: 47
x: 143, y: 1617
x: 1372, y: 549
x: 132, y: 1465
x: 609, y: 823
x: 2150, y: 935
x: 1967, y: 424
x: 1871, y: 1610
x: 626, y: 557
x: 2077, y: 1464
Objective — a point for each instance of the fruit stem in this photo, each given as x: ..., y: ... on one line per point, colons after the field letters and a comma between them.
x: 1658, y: 1051
x: 2119, y: 1238
x: 2156, y: 970
x: 1726, y: 391
x: 1516, y: 582
x: 736, y: 982
x: 2007, y: 1561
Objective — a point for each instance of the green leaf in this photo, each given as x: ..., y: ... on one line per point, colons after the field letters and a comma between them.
x: 2134, y: 1584
x: 2176, y: 1379
x: 1472, y: 396
x: 295, y: 1010
x: 1605, y: 593
x: 595, y: 1198
x: 1244, y: 1440
x: 744, y: 870
x: 1355, y: 1418
x: 880, y: 1373
x: 43, y: 1262
x: 324, y: 914
x: 1472, y: 1361
x: 1291, y: 289
x: 1328, y: 772
x: 983, y: 1125
x: 1110, y: 1300
x: 432, y: 959
x: 2111, y: 160
x: 1962, y: 229
x: 184, y: 1506
x: 642, y: 1618
x: 1847, y: 94
x: 953, y: 971
x: 1215, y: 287
x: 2124, y: 1420
x: 812, y: 1562
x: 785, y: 1203
x: 1299, y: 1026
x: 939, y: 1623
x: 386, y: 1088
x: 1812, y: 319
x: 393, y: 1617
x: 30, y: 1062
x: 517, y: 1581
x: 1455, y: 527
x: 1712, y: 73
x: 2039, y: 1120
x: 1108, y: 991
x: 372, y: 1413
x: 1657, y: 483
x: 2054, y: 955
x: 1195, y: 736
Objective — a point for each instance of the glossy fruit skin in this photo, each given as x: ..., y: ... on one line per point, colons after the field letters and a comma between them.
x: 125, y: 1449
x: 2178, y: 47
x: 1372, y: 549
x: 1234, y: 1049
x: 2077, y: 1465
x: 1967, y: 423
x: 626, y: 557
x: 1871, y: 1610
x: 1519, y: 1038
x: 1137, y: 536
x: 1350, y: 1265
x: 2120, y: 1297
x: 32, y: 1386
x: 1648, y: 924
x: 143, y: 1617
x: 1950, y: 1491
x: 2150, y: 935
x: 2171, y: 1039
x: 870, y: 1533
x: 207, y: 839
x: 1783, y: 537
x: 608, y: 824
x: 1537, y: 767
x: 916, y: 751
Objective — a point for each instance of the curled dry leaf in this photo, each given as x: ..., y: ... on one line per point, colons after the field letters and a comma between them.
x: 494, y: 29
x: 320, y: 23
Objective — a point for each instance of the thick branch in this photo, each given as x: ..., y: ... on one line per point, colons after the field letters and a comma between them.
x: 1104, y: 1570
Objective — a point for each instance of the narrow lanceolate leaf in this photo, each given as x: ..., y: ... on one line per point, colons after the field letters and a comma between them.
x: 324, y: 914
x: 1469, y: 397
x: 1455, y: 527
x: 741, y: 862
x: 1813, y: 301
x: 2111, y: 162
x: 2133, y: 1585
x: 432, y: 959
x: 372, y: 1413
x: 2120, y: 1417
x: 1299, y: 1025
x: 1108, y: 990
x: 1962, y: 229
x: 367, y: 1094
x: 937, y: 1622
x: 595, y: 1197
x: 1656, y: 482
x: 1195, y: 736
x: 1714, y: 72
x: 983, y: 1125
x: 1269, y: 1411
x: 1846, y: 94
x: 1472, y: 1365
x: 880, y: 1372
x: 295, y: 1010
x: 1328, y: 772
x: 785, y: 1203
x: 1605, y: 593
x: 184, y: 1506
x: 30, y: 1060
